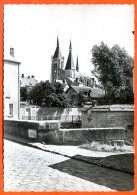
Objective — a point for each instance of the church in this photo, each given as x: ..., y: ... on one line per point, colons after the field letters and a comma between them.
x: 69, y: 75
x: 73, y: 80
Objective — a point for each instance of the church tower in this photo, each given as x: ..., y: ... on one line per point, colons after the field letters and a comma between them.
x: 70, y: 68
x: 57, y: 63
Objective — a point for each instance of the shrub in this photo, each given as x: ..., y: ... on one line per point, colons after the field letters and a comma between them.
x: 97, y: 146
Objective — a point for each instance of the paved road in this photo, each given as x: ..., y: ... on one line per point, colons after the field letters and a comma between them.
x: 29, y: 169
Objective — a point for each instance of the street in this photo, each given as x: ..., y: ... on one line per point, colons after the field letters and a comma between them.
x: 29, y: 169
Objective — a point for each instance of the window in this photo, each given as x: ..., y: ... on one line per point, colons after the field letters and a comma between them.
x: 55, y: 65
x: 11, y: 109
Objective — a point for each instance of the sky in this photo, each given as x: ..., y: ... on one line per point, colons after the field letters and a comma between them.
x: 32, y: 30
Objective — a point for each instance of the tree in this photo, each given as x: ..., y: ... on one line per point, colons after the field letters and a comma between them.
x: 23, y: 94
x: 113, y: 68
x: 46, y: 94
x: 78, y: 99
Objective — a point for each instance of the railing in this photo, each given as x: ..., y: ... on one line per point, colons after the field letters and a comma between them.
x: 63, y: 118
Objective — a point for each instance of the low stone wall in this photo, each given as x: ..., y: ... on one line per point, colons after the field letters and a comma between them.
x: 49, y: 132
x: 79, y: 136
x: 29, y: 129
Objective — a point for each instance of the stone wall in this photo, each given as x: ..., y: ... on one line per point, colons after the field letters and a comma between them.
x: 79, y: 136
x: 49, y: 132
x: 97, y: 119
x: 107, y: 117
x: 30, y: 130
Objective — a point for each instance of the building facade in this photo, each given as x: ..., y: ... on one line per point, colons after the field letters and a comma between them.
x: 11, y: 86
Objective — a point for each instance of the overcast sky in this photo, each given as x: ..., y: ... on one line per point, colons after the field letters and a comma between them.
x: 32, y: 30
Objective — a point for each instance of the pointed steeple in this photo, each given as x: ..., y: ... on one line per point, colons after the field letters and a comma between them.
x: 57, y: 41
x: 70, y: 63
x: 77, y: 66
x: 57, y: 53
x: 70, y: 47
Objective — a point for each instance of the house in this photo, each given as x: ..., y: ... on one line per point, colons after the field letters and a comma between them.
x: 27, y: 82
x: 11, y: 86
x: 93, y: 93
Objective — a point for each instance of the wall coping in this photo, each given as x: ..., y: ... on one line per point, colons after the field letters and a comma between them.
x: 112, y: 108
x: 93, y: 129
x: 36, y: 125
x: 33, y: 121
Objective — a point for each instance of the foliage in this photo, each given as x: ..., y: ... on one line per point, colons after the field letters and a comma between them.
x: 113, y: 68
x: 23, y: 94
x: 82, y: 98
x: 97, y: 146
x: 46, y: 94
x: 78, y: 99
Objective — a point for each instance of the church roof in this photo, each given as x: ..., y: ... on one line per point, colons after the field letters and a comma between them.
x: 70, y: 62
x: 57, y: 53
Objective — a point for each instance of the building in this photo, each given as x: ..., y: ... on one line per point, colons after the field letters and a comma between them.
x: 73, y: 80
x: 27, y: 82
x: 89, y: 93
x: 11, y: 86
x: 95, y: 93
x: 70, y: 75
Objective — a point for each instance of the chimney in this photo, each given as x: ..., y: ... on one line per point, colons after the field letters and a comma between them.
x: 22, y: 75
x: 12, y: 51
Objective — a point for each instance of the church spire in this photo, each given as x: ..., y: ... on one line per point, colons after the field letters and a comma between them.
x: 57, y: 53
x: 70, y: 47
x: 57, y: 41
x: 70, y: 63
x: 77, y: 66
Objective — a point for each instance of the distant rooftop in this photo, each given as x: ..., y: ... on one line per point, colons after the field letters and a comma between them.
x: 95, y: 92
x: 27, y: 81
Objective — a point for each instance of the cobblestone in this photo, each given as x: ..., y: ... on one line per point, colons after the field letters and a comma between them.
x: 29, y: 169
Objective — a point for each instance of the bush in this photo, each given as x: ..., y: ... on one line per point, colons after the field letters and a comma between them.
x: 97, y: 146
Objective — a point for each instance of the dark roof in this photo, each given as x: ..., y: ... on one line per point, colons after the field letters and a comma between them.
x: 57, y: 53
x: 78, y: 89
x: 95, y: 92
x: 70, y: 62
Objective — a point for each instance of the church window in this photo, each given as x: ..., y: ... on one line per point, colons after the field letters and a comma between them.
x: 55, y: 65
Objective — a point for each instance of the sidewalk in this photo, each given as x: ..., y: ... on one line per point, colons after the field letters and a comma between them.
x: 106, y: 159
